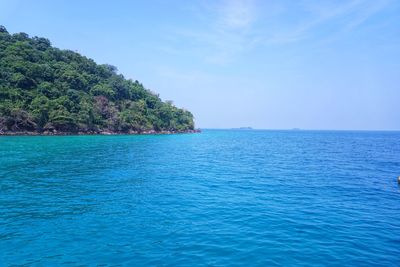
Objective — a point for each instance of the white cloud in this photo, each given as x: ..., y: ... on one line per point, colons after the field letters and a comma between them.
x: 236, y: 14
x: 231, y: 27
x: 348, y: 15
x: 223, y: 30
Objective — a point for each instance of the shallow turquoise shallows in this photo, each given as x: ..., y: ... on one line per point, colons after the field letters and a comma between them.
x: 218, y: 198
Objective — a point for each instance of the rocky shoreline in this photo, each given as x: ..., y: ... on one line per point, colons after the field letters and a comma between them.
x: 60, y: 133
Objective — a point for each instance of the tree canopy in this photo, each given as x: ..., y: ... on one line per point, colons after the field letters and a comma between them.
x: 45, y: 89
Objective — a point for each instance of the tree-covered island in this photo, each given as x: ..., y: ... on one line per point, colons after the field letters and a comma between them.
x: 45, y: 90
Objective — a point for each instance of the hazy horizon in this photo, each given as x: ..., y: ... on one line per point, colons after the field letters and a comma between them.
x: 297, y: 129
x: 261, y: 64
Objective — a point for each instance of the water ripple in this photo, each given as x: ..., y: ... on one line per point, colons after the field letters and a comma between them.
x: 220, y: 198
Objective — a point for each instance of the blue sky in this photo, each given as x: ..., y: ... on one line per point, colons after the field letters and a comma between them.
x: 271, y: 64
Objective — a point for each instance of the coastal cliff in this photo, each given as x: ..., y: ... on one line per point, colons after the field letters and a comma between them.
x: 45, y: 90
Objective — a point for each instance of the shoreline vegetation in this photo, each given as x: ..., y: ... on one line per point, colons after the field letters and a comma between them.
x: 48, y: 91
x: 59, y: 133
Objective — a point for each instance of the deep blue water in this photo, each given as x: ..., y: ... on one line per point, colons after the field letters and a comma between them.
x: 219, y: 198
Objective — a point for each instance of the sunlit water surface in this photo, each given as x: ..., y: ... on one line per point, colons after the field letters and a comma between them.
x: 237, y: 198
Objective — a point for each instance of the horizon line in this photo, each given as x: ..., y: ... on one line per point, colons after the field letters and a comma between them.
x: 297, y: 129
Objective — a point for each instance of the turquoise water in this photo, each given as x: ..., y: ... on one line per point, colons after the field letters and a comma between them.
x: 237, y: 198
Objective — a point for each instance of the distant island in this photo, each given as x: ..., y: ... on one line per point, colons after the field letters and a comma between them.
x: 45, y: 90
x: 243, y: 128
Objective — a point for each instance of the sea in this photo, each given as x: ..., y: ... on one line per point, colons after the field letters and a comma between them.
x: 216, y: 198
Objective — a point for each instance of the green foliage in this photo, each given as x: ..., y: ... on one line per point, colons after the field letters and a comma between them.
x: 43, y: 88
